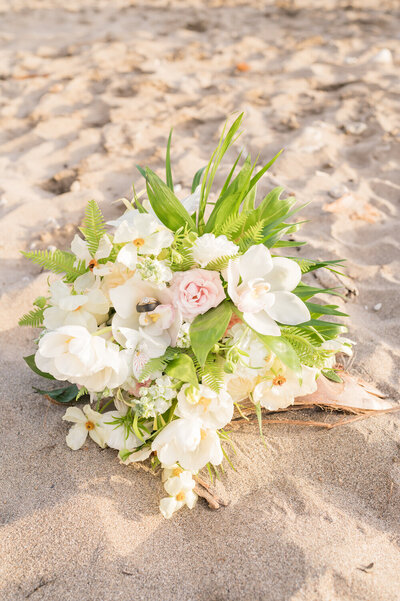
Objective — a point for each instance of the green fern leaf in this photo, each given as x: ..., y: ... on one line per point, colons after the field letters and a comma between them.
x: 157, y: 364
x: 33, y: 319
x: 58, y: 261
x: 219, y: 264
x: 93, y: 226
x: 212, y: 374
x: 253, y: 235
x: 232, y: 226
x: 303, y: 344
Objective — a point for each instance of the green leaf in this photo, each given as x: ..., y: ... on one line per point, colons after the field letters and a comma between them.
x: 166, y: 205
x: 250, y: 200
x: 170, y: 182
x: 208, y: 328
x: 58, y: 261
x: 305, y: 292
x: 197, y: 179
x: 157, y: 364
x: 259, y: 419
x: 34, y: 318
x: 61, y: 395
x: 331, y: 375
x: 283, y: 350
x: 182, y: 368
x: 259, y: 175
x: 325, y: 309
x: 93, y: 226
x: 30, y: 361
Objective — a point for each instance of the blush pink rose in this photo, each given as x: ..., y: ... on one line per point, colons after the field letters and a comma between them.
x: 196, y: 291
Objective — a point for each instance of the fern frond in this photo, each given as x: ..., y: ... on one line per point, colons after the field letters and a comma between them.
x: 33, y: 319
x: 59, y: 261
x: 302, y: 342
x: 253, y: 235
x: 232, y: 226
x: 93, y: 226
x: 212, y: 374
x: 157, y: 364
x: 219, y: 264
x: 186, y: 262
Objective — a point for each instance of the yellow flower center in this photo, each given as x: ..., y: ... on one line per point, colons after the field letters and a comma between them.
x: 92, y: 264
x: 203, y: 434
x: 204, y: 401
x: 138, y: 242
x: 278, y: 380
x: 176, y: 471
x: 154, y: 317
x: 77, y: 309
x: 89, y: 425
x: 180, y: 496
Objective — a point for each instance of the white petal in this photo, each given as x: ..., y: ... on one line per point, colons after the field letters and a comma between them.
x: 190, y: 499
x: 191, y: 203
x: 262, y: 323
x: 53, y: 318
x: 154, y: 243
x: 73, y: 302
x: 104, y: 248
x: 98, y: 436
x: 74, y: 414
x: 80, y: 249
x: 289, y: 308
x: 128, y: 256
x: 131, y: 337
x: 84, y: 282
x: 284, y: 275
x: 255, y: 263
x: 173, y: 485
x: 233, y: 276
x: 168, y: 506
x: 76, y: 436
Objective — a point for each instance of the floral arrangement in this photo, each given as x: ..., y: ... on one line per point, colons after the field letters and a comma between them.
x: 168, y: 320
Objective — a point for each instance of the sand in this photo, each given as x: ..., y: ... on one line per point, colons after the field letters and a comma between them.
x: 89, y: 89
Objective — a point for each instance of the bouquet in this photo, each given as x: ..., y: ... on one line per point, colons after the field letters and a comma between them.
x: 178, y: 313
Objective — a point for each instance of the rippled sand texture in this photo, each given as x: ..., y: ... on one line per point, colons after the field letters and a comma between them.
x: 90, y: 88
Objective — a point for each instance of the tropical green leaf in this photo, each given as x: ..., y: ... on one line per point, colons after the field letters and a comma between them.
x: 182, y: 368
x: 303, y: 344
x: 331, y: 375
x: 166, y: 205
x: 259, y: 175
x: 325, y: 309
x: 66, y: 394
x: 283, y: 349
x: 93, y: 227
x: 34, y: 318
x: 170, y: 182
x: 305, y: 292
x: 208, y: 328
x: 30, y: 361
x: 58, y: 261
x: 197, y: 179
x: 233, y: 226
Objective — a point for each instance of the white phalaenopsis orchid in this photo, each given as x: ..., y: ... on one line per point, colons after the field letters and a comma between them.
x: 73, y: 353
x: 180, y: 487
x: 261, y: 285
x: 87, y: 310
x: 80, y: 249
x: 85, y: 422
x: 214, y: 409
x: 186, y: 442
x: 283, y: 386
x: 209, y: 247
x: 143, y: 235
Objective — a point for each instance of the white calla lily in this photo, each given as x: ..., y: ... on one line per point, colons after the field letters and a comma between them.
x: 261, y: 285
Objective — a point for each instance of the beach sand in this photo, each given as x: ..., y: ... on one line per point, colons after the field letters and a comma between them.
x: 88, y: 90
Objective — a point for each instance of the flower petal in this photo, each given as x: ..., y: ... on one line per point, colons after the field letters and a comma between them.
x: 80, y: 249
x: 284, y: 275
x: 262, y: 323
x: 76, y: 436
x: 168, y: 506
x: 104, y: 248
x: 288, y: 308
x: 128, y: 256
x: 74, y: 414
x: 255, y: 263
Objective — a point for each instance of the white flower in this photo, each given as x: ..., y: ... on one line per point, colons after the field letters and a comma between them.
x: 256, y: 355
x: 280, y: 390
x: 72, y: 353
x: 184, y: 441
x: 264, y: 294
x: 154, y: 271
x: 337, y: 345
x: 191, y: 202
x: 183, y: 337
x: 140, y: 455
x: 81, y: 250
x: 118, y: 434
x: 85, y: 422
x: 213, y: 409
x: 144, y: 235
x: 180, y: 487
x: 209, y: 247
x: 87, y: 310
x: 155, y: 399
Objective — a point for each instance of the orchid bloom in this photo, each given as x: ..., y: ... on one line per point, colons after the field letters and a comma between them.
x: 260, y: 286
x: 81, y: 250
x: 85, y: 422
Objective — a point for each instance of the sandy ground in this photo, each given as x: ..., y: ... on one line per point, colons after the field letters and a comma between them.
x: 87, y: 91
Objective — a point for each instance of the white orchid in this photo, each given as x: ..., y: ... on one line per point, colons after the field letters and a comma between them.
x: 260, y: 286
x: 213, y: 409
x: 180, y: 488
x: 143, y: 234
x: 283, y: 386
x: 209, y: 247
x: 80, y: 249
x: 87, y: 310
x: 85, y: 422
x: 186, y: 442
x: 73, y: 353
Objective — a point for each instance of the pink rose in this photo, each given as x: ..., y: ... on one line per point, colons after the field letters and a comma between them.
x: 196, y: 291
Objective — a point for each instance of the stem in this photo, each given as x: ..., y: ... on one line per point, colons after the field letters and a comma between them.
x: 106, y: 405
x: 99, y: 332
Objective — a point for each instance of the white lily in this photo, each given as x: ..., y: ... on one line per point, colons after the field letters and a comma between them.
x: 87, y: 310
x: 213, y: 409
x: 264, y: 292
x: 281, y: 389
x: 85, y: 422
x: 180, y: 488
x: 186, y: 442
x: 81, y: 250
x: 72, y: 353
x: 143, y: 235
